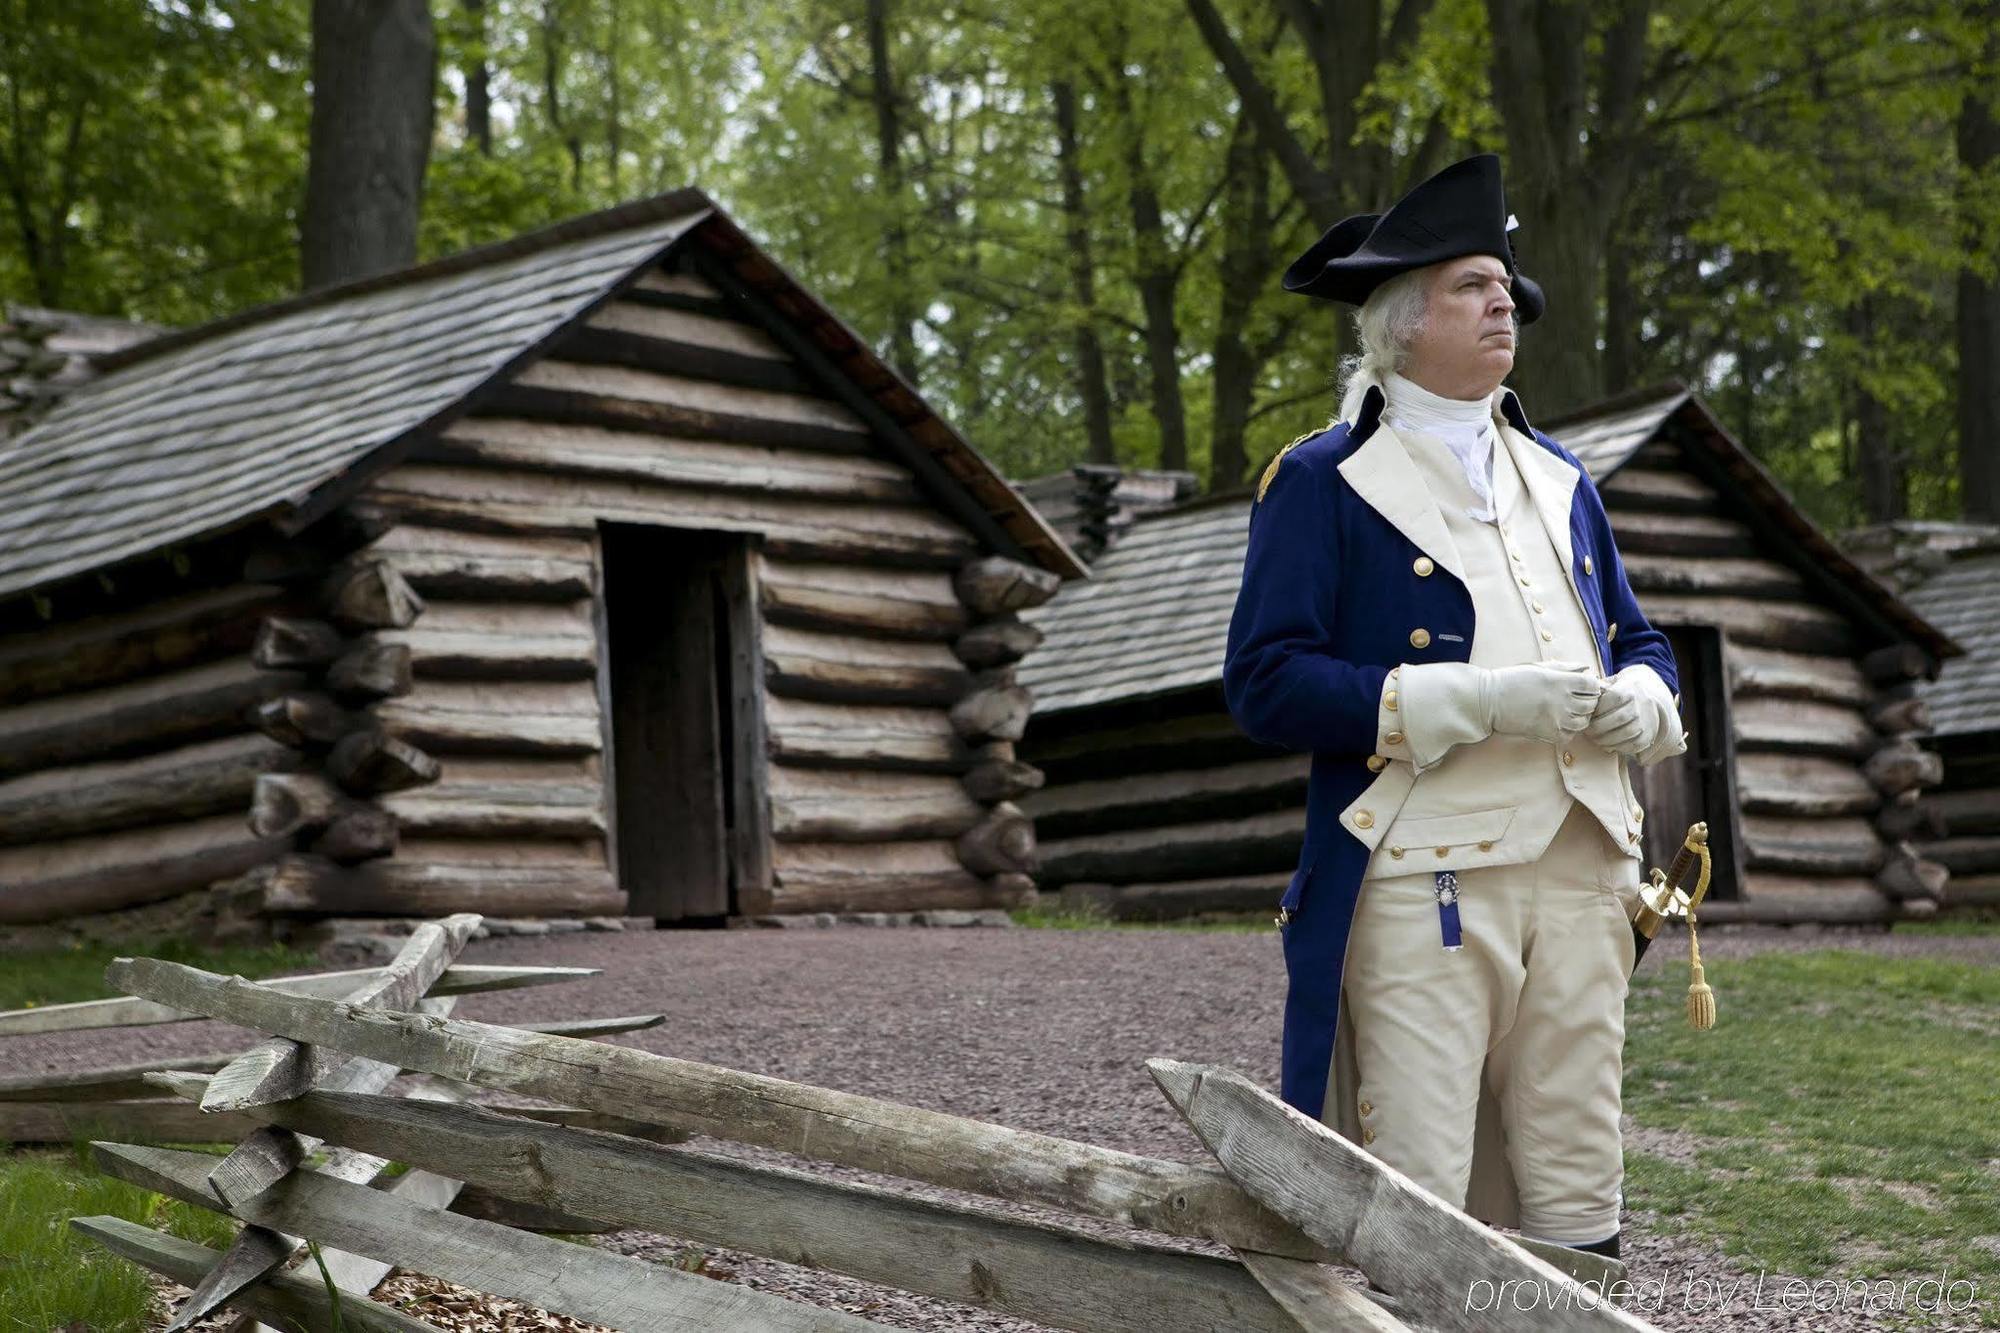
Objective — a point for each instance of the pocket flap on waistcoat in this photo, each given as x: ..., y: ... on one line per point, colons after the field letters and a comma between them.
x: 1450, y: 830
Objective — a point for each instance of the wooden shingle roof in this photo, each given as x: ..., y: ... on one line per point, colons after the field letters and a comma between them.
x: 1963, y: 600
x: 1154, y: 617
x: 277, y: 412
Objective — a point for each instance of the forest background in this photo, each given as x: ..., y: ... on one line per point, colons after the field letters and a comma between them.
x: 1065, y: 220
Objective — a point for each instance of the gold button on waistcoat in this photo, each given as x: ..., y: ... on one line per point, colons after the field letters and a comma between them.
x: 1444, y: 851
x: 1376, y: 763
x: 1366, y: 1109
x: 1362, y: 819
x: 1611, y: 633
x: 1586, y: 564
x: 1389, y: 701
x: 1420, y: 637
x: 1423, y: 566
x: 1394, y: 738
x: 1367, y: 1135
x: 1638, y: 814
x: 1396, y: 852
x: 1485, y: 846
x: 1568, y: 758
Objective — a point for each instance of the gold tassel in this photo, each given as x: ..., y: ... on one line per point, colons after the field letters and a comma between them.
x: 1701, y: 998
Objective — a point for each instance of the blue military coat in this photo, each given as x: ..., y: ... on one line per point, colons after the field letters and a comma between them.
x: 1328, y: 604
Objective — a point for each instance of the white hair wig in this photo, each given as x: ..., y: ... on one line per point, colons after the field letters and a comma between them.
x: 1386, y: 324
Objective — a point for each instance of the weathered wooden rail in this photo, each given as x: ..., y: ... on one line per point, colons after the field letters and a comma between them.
x: 1286, y: 1197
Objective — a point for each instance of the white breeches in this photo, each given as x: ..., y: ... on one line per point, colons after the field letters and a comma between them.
x: 1534, y: 1002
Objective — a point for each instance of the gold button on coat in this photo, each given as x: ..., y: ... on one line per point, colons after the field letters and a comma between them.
x: 1568, y: 758
x: 1367, y: 1109
x: 1394, y: 738
x: 1423, y: 566
x: 1376, y: 763
x: 1485, y: 846
x: 1396, y: 852
x: 1638, y: 814
x: 1367, y: 1135
x: 1389, y: 701
x: 1586, y: 564
x: 1444, y: 851
x: 1611, y: 633
x: 1362, y: 819
x: 1420, y: 637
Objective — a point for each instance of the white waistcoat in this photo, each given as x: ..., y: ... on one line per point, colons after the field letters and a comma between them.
x: 1500, y: 801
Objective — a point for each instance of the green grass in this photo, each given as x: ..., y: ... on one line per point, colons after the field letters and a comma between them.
x: 1846, y: 1113
x: 50, y: 1276
x: 64, y: 975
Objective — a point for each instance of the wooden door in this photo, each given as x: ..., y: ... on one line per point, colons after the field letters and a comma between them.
x: 671, y: 647
x: 1700, y: 784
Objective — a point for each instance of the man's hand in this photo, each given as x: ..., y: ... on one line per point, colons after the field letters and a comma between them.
x: 1542, y: 700
x: 1625, y: 721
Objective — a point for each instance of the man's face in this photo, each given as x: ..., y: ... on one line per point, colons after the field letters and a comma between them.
x: 1466, y: 347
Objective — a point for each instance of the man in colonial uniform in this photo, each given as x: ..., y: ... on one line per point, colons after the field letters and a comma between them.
x: 1433, y: 605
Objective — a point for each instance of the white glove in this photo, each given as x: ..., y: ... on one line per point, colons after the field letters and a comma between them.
x: 1447, y: 704
x: 1637, y: 716
x: 1625, y: 721
x: 1541, y: 700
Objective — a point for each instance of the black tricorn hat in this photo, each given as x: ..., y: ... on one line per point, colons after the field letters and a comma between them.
x: 1462, y: 210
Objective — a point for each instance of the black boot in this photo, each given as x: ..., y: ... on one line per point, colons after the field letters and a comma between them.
x: 1608, y: 1247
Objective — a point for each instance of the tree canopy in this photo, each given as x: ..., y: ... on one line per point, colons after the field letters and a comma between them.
x: 1066, y: 221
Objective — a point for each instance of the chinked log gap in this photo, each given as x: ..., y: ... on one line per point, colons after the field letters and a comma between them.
x: 343, y: 755
x: 993, y: 712
x: 1900, y: 768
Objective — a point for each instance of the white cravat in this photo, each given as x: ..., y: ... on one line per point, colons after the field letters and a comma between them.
x: 1464, y: 424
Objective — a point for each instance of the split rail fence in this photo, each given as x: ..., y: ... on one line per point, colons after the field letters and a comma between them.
x: 1286, y: 1196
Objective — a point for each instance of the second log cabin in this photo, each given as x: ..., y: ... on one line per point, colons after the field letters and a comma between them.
x: 1800, y: 676
x: 603, y: 570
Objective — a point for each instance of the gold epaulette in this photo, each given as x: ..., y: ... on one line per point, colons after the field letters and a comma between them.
x: 1271, y: 469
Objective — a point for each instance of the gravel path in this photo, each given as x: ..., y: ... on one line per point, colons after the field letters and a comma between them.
x: 1038, y: 1029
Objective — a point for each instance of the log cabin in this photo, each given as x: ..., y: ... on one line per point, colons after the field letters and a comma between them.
x: 1950, y: 572
x: 1799, y: 688
x: 600, y: 571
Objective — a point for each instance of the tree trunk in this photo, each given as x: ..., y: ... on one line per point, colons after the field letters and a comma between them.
x: 1622, y: 311
x: 1571, y: 142
x: 1884, y: 487
x: 373, y: 64
x: 1244, y: 268
x: 1090, y: 383
x: 895, y: 238
x: 478, y: 81
x: 1979, y: 306
x: 1158, y: 277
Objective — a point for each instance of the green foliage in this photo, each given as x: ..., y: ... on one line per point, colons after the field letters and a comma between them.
x: 1791, y: 240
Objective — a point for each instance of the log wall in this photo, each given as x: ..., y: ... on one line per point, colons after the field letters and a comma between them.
x: 886, y: 638
x: 128, y: 753
x: 1163, y: 808
x: 403, y: 709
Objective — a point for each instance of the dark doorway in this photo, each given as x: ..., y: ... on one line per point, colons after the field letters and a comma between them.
x: 1701, y: 784
x: 677, y: 642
